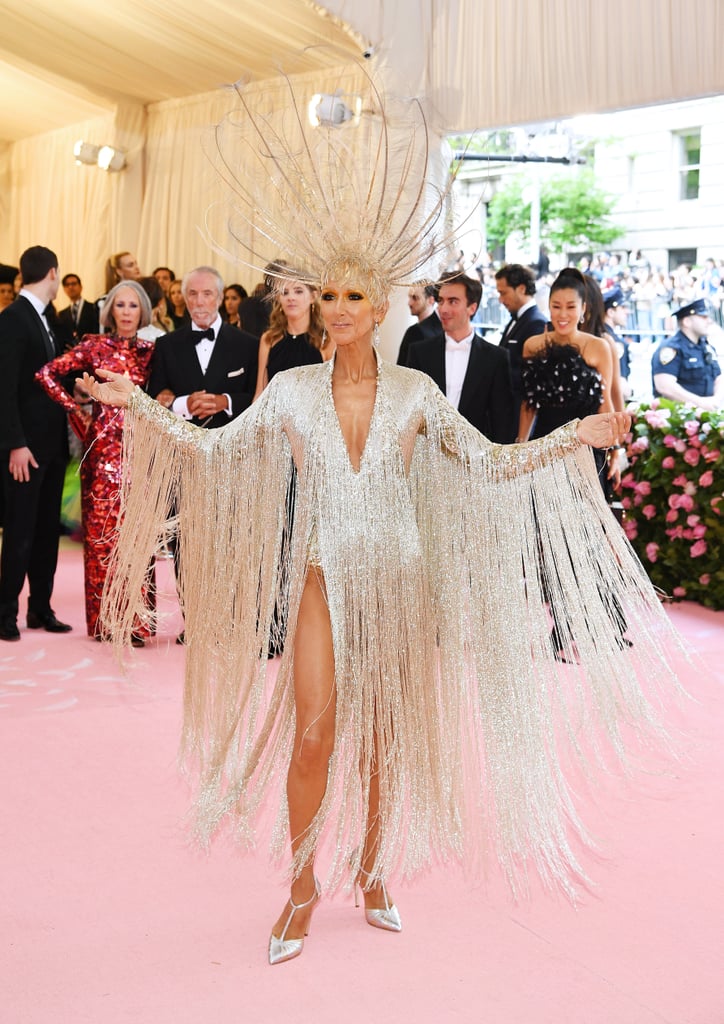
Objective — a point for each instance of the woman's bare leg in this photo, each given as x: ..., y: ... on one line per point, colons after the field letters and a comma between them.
x: 374, y: 897
x: 315, y: 701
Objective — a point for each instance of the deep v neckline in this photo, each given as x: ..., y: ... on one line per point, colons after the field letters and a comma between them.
x: 356, y: 470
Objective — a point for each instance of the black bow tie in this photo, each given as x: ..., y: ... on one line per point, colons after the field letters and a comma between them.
x: 199, y: 335
x: 514, y: 316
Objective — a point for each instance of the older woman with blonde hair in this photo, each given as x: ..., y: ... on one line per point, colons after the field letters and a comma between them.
x: 126, y: 310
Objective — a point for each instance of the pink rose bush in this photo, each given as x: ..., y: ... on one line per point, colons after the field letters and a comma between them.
x: 652, y: 551
x: 672, y: 495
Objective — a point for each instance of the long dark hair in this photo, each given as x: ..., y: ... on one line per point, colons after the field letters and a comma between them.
x: 240, y: 291
x: 569, y: 277
x: 594, y: 314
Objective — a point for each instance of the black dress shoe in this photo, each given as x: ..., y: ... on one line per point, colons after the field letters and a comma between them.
x: 9, y: 630
x: 48, y: 622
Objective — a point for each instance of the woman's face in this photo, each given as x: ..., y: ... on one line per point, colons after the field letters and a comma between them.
x: 232, y: 301
x: 347, y: 313
x: 126, y: 310
x: 295, y: 298
x: 174, y: 293
x: 128, y: 268
x: 566, y: 309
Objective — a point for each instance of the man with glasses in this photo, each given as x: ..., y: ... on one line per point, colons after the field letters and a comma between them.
x: 80, y: 317
x: 685, y: 367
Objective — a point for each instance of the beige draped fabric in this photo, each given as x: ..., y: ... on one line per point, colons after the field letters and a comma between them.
x: 40, y: 171
x: 489, y: 63
x: 78, y: 211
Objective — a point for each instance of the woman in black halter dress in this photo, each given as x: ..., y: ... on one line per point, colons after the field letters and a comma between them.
x: 295, y: 336
x: 567, y: 374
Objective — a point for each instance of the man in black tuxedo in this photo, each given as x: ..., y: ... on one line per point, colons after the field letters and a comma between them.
x: 205, y: 372
x: 516, y: 291
x: 80, y: 317
x: 34, y: 450
x: 421, y: 299
x: 473, y: 374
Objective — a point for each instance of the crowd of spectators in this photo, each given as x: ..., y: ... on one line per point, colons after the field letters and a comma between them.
x: 163, y: 288
x: 43, y: 350
x: 651, y: 293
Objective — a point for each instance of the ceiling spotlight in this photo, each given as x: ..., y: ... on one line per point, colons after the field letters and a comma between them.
x: 330, y: 111
x: 85, y: 152
x: 110, y: 159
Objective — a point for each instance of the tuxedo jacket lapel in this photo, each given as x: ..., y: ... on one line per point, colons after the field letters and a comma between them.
x: 42, y: 338
x: 509, y: 331
x: 191, y: 365
x: 215, y: 376
x: 475, y: 374
x: 437, y: 366
x: 524, y: 319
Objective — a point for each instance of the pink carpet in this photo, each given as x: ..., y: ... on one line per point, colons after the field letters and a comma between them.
x: 110, y: 917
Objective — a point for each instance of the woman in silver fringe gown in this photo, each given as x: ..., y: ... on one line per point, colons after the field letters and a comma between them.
x: 418, y: 712
x: 407, y: 717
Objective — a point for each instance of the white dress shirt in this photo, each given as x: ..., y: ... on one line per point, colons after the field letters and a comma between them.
x: 204, y: 351
x: 457, y: 357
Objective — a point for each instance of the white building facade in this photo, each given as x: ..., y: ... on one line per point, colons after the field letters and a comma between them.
x: 665, y: 164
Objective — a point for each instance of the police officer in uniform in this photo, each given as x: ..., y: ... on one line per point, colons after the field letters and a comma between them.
x: 617, y: 311
x: 685, y: 367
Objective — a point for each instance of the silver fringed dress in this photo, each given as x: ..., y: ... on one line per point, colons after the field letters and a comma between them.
x: 438, y: 554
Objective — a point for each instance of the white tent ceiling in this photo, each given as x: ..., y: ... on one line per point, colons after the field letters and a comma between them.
x: 478, y: 62
x: 63, y: 63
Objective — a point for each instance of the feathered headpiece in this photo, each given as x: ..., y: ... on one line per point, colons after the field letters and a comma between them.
x: 331, y: 199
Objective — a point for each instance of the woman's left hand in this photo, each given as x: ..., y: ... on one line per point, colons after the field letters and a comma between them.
x: 604, y: 430
x: 114, y: 391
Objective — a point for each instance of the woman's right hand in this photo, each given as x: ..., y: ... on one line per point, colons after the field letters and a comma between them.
x: 604, y: 430
x: 114, y: 392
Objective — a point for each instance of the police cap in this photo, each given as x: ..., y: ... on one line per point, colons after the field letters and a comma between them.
x: 614, y: 297
x: 696, y: 308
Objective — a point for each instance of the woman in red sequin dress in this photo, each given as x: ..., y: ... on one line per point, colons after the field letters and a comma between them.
x: 100, y: 428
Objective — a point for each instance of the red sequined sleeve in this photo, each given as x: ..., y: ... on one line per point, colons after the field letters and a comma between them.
x: 51, y: 376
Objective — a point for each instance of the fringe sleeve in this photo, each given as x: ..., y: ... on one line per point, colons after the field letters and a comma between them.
x: 508, y: 530
x: 226, y: 492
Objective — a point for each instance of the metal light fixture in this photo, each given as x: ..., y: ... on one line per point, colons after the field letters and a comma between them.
x: 85, y: 152
x: 110, y: 159
x: 106, y: 157
x: 329, y: 110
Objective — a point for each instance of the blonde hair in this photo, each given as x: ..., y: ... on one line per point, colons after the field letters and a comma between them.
x: 106, y: 318
x: 112, y: 268
x: 362, y: 273
x: 278, y: 324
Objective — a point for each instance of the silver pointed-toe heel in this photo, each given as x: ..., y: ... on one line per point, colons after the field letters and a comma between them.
x: 387, y: 917
x: 282, y: 948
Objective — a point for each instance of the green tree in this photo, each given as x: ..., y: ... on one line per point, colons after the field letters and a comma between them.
x: 574, y: 213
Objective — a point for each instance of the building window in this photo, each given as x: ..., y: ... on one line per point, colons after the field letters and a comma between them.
x: 681, y: 257
x: 689, y: 152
